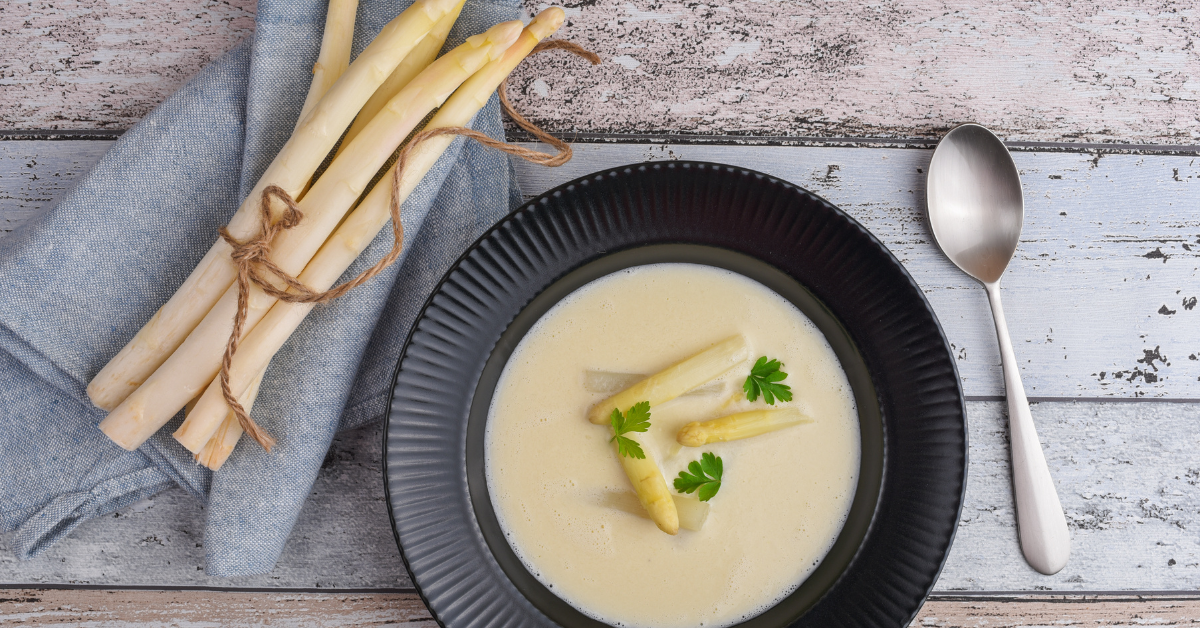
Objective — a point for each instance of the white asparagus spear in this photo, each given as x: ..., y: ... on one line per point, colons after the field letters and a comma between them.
x: 358, y: 230
x: 187, y: 407
x: 331, y: 63
x: 334, y: 57
x: 739, y: 426
x: 651, y: 488
x: 410, y: 67
x: 221, y: 445
x: 196, y: 362
x: 676, y: 379
x: 692, y: 512
x: 291, y: 169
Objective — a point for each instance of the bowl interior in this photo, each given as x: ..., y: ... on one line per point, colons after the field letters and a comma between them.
x: 871, y: 428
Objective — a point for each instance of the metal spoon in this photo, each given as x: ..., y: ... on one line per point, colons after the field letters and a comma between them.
x: 975, y: 210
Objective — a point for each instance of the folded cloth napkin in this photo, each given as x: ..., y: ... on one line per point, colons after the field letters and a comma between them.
x: 80, y: 280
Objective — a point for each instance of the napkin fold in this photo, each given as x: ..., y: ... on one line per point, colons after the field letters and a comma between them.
x: 79, y: 280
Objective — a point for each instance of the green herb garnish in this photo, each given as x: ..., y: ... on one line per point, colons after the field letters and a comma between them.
x: 762, y: 380
x: 705, y: 475
x: 637, y: 419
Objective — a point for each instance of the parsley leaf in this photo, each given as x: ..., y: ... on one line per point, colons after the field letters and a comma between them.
x: 637, y: 419
x: 762, y: 380
x: 705, y: 475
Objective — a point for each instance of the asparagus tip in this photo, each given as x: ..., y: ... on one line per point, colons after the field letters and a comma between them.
x: 504, y: 34
x: 500, y: 35
x: 550, y: 20
x: 692, y: 435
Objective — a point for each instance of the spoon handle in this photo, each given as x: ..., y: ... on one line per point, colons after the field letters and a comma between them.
x: 1040, y: 521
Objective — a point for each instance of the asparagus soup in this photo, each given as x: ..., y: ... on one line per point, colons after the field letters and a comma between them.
x: 672, y: 445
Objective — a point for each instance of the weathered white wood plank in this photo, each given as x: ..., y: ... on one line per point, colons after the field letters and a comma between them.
x: 34, y: 175
x: 1045, y: 610
x: 1109, y: 71
x: 1101, y: 299
x: 1126, y: 474
x: 98, y: 64
x: 208, y: 609
x: 1103, y: 71
x: 343, y: 538
x: 192, y: 609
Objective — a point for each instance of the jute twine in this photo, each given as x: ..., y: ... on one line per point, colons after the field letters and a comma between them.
x: 253, y: 260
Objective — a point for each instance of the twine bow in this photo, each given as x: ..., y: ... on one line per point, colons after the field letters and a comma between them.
x: 253, y: 257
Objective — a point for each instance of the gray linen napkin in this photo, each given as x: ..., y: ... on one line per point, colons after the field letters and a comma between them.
x: 78, y: 281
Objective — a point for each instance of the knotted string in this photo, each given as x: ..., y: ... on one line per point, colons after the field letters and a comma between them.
x: 253, y: 260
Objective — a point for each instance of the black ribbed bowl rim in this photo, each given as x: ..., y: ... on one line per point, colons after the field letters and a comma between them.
x: 828, y: 253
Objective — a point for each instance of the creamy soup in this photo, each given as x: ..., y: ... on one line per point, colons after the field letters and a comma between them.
x: 569, y: 511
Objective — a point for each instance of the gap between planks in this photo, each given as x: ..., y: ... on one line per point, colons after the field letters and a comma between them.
x: 516, y: 134
x: 64, y: 607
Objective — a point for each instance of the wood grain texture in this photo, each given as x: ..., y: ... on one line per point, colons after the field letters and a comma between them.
x: 343, y: 538
x: 32, y: 177
x: 196, y: 609
x: 1126, y: 473
x: 1109, y: 71
x: 1047, y: 610
x: 1101, y: 299
x: 103, y: 64
x: 192, y: 609
x: 1127, y: 477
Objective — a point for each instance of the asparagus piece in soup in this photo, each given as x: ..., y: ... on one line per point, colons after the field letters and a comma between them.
x: 651, y: 488
x: 739, y: 426
x: 643, y: 472
x: 676, y: 379
x: 692, y: 512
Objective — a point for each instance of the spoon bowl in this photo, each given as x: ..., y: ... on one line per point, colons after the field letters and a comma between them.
x: 973, y: 196
x: 975, y: 205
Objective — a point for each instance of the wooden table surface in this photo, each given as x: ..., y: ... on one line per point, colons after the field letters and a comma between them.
x: 1100, y: 102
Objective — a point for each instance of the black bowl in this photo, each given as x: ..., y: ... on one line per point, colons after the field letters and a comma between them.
x: 912, y: 420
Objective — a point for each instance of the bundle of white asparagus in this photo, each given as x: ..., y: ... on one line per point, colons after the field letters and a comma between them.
x: 174, y: 360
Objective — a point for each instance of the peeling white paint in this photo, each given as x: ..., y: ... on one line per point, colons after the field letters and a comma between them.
x: 747, y: 48
x: 634, y: 14
x: 1098, y: 72
x: 626, y: 61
